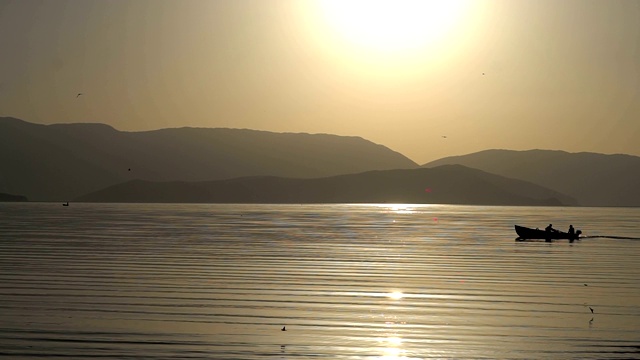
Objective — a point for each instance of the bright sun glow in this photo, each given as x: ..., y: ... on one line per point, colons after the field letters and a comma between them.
x: 388, y: 26
x: 389, y: 40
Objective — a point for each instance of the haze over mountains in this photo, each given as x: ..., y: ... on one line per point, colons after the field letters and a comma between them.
x: 94, y: 162
x: 592, y: 179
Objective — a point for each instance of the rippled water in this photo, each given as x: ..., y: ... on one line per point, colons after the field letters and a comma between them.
x: 120, y: 281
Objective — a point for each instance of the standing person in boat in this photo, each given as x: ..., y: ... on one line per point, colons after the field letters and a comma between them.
x: 571, y: 232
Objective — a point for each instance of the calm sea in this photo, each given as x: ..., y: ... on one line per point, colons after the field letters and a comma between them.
x: 121, y: 281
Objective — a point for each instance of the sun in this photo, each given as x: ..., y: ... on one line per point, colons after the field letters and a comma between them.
x: 390, y: 26
x: 387, y: 42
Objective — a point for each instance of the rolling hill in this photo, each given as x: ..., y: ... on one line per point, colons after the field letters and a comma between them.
x: 451, y: 184
x: 12, y: 198
x: 592, y: 179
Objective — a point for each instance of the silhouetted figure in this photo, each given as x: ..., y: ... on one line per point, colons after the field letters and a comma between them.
x: 549, y: 229
x: 284, y: 328
x: 572, y: 234
x: 590, y: 308
x: 78, y: 95
x: 65, y: 204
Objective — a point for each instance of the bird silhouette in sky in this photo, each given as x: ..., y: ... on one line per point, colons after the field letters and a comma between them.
x: 78, y: 95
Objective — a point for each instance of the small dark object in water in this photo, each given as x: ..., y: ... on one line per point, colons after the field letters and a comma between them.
x: 590, y: 308
x: 284, y: 328
x: 65, y: 204
x: 586, y: 285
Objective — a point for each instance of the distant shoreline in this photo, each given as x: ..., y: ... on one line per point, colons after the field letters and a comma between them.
x: 318, y: 203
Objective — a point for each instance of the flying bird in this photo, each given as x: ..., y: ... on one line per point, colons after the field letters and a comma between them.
x: 78, y: 95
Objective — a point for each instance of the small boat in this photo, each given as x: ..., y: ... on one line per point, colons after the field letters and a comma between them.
x: 525, y: 233
x: 65, y: 204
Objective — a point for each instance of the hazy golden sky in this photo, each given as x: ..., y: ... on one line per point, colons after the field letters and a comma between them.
x: 486, y: 74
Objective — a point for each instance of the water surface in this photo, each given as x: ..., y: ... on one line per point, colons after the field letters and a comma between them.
x: 160, y: 281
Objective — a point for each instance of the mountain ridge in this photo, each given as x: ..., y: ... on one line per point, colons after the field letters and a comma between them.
x: 593, y: 179
x: 62, y: 161
x: 58, y: 162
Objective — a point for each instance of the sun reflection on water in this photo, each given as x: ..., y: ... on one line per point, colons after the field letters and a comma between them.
x: 392, y: 348
x: 402, y: 209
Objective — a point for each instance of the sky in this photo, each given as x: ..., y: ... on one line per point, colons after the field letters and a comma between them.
x: 428, y: 79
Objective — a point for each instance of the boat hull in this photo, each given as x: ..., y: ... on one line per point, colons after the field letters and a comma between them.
x: 525, y: 233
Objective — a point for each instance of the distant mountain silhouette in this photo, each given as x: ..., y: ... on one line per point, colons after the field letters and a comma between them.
x: 451, y: 184
x: 592, y: 179
x: 9, y: 197
x: 64, y: 161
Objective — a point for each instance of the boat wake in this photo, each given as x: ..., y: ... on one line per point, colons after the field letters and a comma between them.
x: 584, y: 238
x: 609, y: 237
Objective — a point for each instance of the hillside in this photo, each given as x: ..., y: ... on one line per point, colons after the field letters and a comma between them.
x: 442, y: 185
x: 12, y: 198
x: 592, y: 179
x: 64, y: 161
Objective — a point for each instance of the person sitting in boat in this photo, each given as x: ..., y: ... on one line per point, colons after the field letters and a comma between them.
x: 549, y: 229
x: 571, y: 232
